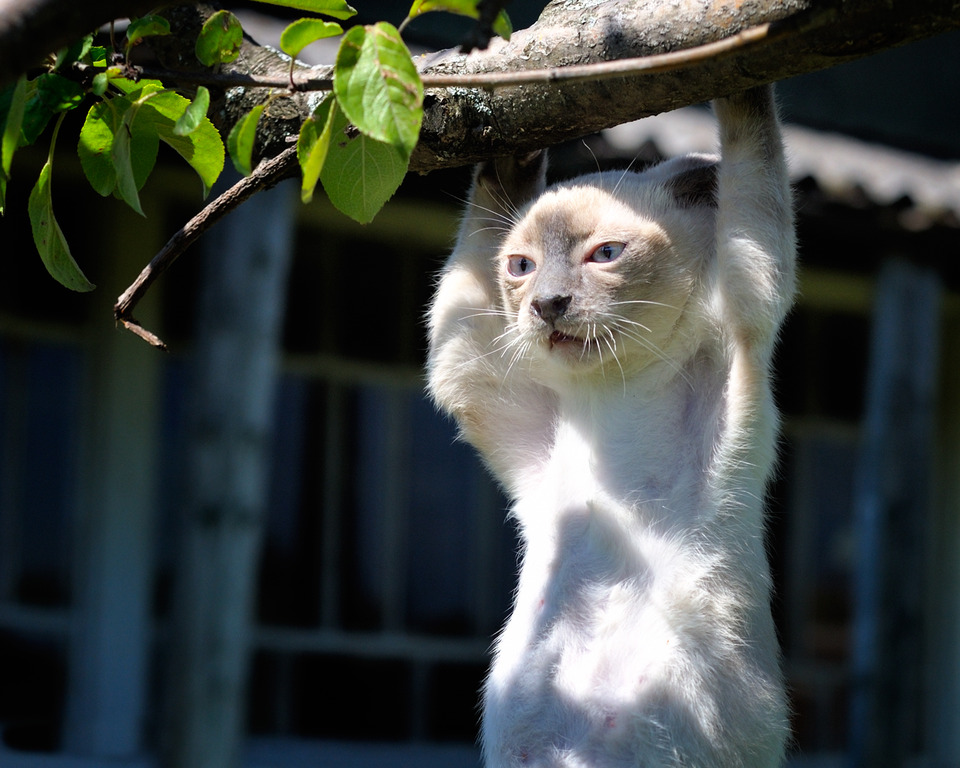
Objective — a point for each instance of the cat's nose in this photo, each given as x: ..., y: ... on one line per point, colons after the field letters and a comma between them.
x: 550, y: 309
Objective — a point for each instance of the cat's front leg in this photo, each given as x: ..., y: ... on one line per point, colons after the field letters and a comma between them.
x: 756, y: 246
x: 470, y: 368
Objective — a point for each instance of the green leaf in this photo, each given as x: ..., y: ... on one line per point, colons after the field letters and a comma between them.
x: 96, y: 139
x: 219, y: 40
x: 501, y: 25
x: 146, y: 26
x: 11, y: 127
x: 57, y: 93
x: 47, y: 95
x: 313, y: 144
x: 202, y: 148
x: 97, y: 136
x: 97, y: 56
x: 11, y: 120
x: 302, y: 32
x: 360, y: 174
x: 241, y: 140
x: 378, y: 86
x: 6, y: 96
x: 155, y: 118
x: 101, y: 82
x: 193, y: 115
x: 338, y: 9
x: 121, y: 153
x: 49, y: 239
x: 136, y: 89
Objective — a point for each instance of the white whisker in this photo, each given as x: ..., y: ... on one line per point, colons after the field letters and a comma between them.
x: 623, y: 175
x: 646, y: 302
x: 603, y: 372
x: 506, y: 216
x: 505, y: 202
x: 479, y: 230
x: 612, y: 344
x: 484, y: 312
x: 620, y: 324
x: 520, y: 353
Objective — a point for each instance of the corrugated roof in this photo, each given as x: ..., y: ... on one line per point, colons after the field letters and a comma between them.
x: 842, y: 167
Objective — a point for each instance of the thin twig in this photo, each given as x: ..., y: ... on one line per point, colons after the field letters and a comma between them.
x: 233, y: 79
x: 266, y: 175
x: 579, y: 73
x: 605, y: 70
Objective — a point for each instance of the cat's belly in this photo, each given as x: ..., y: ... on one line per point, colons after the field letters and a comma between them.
x: 579, y: 684
x: 609, y: 667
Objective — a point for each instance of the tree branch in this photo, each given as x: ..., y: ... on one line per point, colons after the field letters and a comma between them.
x: 555, y: 95
x: 29, y: 29
x: 470, y: 114
x: 467, y: 120
x: 268, y: 174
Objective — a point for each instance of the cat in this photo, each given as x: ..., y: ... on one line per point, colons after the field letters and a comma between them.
x: 605, y: 343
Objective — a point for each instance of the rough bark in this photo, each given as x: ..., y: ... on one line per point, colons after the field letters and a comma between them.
x: 463, y: 125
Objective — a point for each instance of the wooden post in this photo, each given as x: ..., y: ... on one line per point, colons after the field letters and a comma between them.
x: 111, y: 624
x: 943, y: 660
x: 892, y: 514
x: 228, y: 461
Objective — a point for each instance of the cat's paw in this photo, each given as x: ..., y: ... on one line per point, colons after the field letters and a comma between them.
x: 512, y: 181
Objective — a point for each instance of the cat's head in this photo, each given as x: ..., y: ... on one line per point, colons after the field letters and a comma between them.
x: 599, y: 272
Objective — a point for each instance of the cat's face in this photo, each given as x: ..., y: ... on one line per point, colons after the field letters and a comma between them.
x: 597, y: 276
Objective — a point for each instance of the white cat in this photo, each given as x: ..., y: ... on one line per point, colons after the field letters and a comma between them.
x: 606, y: 345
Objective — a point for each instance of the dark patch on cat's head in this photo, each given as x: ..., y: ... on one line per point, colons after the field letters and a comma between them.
x: 695, y: 186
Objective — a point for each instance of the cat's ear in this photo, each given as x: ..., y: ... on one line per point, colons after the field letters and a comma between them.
x: 514, y: 181
x: 695, y: 186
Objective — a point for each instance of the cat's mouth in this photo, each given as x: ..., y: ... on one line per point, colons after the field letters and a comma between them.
x: 560, y: 339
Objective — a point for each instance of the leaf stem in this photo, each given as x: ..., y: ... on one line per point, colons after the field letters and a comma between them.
x: 53, y: 136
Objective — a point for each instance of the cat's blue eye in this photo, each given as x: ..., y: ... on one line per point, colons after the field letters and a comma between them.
x: 518, y: 266
x: 606, y: 252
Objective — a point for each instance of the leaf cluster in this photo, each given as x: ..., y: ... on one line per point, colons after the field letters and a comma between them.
x: 356, y: 143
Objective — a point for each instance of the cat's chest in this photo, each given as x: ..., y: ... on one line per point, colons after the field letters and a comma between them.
x: 645, y: 456
x: 591, y: 511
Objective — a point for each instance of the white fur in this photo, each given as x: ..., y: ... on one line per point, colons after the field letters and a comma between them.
x: 641, y: 632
